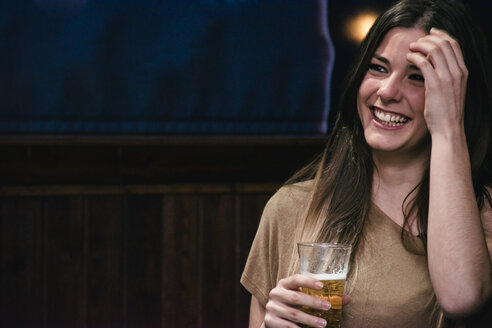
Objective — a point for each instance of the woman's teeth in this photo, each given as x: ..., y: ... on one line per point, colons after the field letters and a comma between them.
x: 389, y: 119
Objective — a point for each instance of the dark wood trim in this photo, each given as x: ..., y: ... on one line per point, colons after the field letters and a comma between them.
x: 101, y: 139
x: 89, y: 190
x: 47, y: 160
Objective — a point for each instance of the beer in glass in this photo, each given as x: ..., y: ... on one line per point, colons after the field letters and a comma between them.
x: 329, y: 264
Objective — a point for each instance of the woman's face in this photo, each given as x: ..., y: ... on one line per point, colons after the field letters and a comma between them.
x: 391, y: 97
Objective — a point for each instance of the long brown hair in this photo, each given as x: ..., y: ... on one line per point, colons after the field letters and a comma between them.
x: 341, y: 195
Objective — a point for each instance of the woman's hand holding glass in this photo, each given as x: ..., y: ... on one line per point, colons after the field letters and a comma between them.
x: 285, y: 300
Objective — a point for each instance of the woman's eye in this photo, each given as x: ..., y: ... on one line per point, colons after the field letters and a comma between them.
x: 377, y: 68
x: 417, y: 77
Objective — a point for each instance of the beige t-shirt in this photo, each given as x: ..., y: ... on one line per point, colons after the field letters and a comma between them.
x: 392, y: 287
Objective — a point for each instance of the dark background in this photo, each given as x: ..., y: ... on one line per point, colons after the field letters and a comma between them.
x: 175, y: 67
x: 134, y: 166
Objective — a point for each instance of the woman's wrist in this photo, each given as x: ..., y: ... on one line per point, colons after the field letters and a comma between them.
x: 453, y: 133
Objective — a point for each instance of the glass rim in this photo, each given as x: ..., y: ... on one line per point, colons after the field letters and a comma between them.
x: 325, y: 245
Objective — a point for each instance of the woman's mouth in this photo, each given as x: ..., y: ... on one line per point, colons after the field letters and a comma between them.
x: 389, y: 119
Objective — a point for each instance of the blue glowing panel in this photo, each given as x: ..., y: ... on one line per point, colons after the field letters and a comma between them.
x: 169, y: 66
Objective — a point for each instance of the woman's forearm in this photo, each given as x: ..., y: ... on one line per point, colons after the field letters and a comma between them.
x: 459, y: 262
x: 256, y: 314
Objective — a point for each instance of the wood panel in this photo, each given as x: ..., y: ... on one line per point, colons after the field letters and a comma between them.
x: 105, y: 259
x: 22, y: 281
x: 65, y: 261
x: 143, y: 253
x: 181, y: 262
x: 144, y: 232
x: 158, y: 260
x: 218, y: 250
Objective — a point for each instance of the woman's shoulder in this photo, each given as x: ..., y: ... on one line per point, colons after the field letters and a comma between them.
x: 293, y: 193
x: 289, y: 200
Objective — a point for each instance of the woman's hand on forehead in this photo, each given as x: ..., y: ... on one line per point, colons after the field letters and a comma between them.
x: 439, y: 58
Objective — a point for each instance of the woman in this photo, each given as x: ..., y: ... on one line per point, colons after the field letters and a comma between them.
x: 405, y: 179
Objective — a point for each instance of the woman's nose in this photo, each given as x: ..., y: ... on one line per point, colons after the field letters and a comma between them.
x: 389, y: 89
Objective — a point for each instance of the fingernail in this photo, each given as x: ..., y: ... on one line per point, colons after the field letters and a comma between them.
x: 326, y: 305
x: 319, y: 284
x: 321, y: 322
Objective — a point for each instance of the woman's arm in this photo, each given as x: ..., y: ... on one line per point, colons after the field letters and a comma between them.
x: 256, y: 314
x: 459, y: 260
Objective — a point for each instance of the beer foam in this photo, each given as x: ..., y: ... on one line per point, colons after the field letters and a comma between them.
x: 326, y: 276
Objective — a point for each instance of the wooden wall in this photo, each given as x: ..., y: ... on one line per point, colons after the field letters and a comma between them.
x: 134, y: 232
x: 159, y: 260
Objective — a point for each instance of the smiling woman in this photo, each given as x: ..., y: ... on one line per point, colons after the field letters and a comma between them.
x: 391, y: 98
x: 405, y: 179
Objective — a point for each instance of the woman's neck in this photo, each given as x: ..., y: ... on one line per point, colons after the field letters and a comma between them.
x: 394, y: 170
x: 394, y: 177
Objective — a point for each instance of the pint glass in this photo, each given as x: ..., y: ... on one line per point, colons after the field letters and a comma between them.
x: 328, y: 263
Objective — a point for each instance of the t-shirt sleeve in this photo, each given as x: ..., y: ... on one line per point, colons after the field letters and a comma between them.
x: 273, y: 245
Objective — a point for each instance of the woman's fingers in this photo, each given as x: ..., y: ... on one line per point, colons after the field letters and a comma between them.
x: 284, y: 307
x: 438, y: 56
x: 288, y: 292
x: 457, y: 68
x: 445, y: 55
x: 298, y: 280
x: 286, y: 299
x: 272, y: 321
x: 436, y: 51
x: 454, y: 44
x: 278, y: 313
x: 425, y: 66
